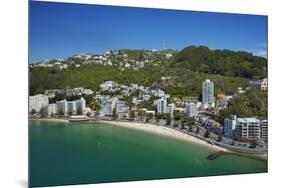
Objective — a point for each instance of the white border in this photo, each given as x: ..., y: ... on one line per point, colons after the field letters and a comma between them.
x: 13, y: 40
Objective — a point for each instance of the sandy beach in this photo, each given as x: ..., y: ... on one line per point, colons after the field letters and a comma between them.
x: 166, y: 132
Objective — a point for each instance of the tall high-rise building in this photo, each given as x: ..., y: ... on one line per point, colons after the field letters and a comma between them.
x: 37, y: 102
x: 208, y: 94
x: 81, y: 105
x: 162, y: 105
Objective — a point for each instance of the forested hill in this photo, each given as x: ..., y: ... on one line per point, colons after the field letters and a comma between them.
x: 187, y: 69
x: 224, y: 62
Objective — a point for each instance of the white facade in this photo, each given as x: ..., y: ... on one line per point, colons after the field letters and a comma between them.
x: 168, y: 56
x: 37, y: 102
x: 52, y: 109
x: 208, y: 94
x: 107, y: 85
x: 261, y: 85
x: 109, y: 106
x: 87, y: 91
x: 161, y: 105
x: 121, y: 107
x: 62, y: 105
x: 191, y: 109
x: 81, y: 104
x: 230, y: 126
x: 171, y: 109
x: 248, y: 129
x: 264, y: 130
x: 71, y: 107
x: 122, y: 110
x: 135, y: 100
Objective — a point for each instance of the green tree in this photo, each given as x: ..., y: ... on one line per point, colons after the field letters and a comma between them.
x: 207, y: 134
x: 147, y: 119
x: 157, y: 118
x: 190, y: 120
x: 220, y: 137
x: 114, y: 113
x: 189, y: 128
x: 179, y: 115
x: 42, y: 112
x: 182, y: 124
x: 149, y: 116
x: 168, y: 119
x: 132, y: 114
x: 79, y: 111
x: 33, y: 111
x: 175, y: 125
x: 254, y: 143
x: 60, y: 112
x: 197, y: 130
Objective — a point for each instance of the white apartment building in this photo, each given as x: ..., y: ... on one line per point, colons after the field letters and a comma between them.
x: 121, y: 106
x: 109, y: 105
x: 81, y: 104
x: 208, y: 94
x: 247, y: 129
x: 71, y: 107
x: 171, y: 109
x: 36, y: 102
x: 52, y: 109
x: 191, y: 109
x: 109, y: 108
x: 264, y: 130
x: 161, y: 105
x: 62, y: 106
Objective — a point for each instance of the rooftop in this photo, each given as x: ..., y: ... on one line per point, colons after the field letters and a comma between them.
x: 247, y: 120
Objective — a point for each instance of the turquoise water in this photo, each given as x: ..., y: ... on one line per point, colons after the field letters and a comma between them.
x: 79, y: 153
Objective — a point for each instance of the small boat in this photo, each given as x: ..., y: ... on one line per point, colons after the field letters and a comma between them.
x: 78, y: 118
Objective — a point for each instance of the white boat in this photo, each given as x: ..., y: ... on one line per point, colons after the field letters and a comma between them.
x: 78, y: 118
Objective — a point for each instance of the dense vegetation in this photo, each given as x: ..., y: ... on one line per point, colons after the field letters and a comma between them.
x: 252, y: 103
x: 224, y: 62
x: 184, y: 82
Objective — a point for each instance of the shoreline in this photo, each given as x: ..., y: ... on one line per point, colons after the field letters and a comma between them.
x: 166, y: 131
x: 150, y: 128
x: 49, y: 119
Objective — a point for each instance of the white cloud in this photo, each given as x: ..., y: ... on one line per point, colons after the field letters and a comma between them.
x: 262, y: 53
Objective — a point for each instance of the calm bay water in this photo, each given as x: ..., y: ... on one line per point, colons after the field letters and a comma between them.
x: 78, y: 153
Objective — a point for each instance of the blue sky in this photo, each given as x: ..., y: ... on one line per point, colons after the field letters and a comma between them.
x: 59, y: 30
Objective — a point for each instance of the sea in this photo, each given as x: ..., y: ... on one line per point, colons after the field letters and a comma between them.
x: 64, y: 153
